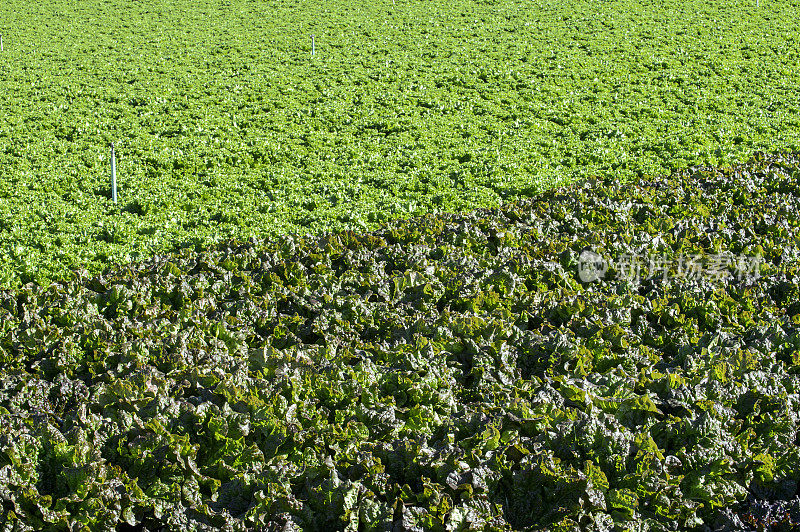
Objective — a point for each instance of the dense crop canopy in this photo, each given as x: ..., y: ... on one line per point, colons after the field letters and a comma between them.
x: 227, y: 127
x: 460, y: 372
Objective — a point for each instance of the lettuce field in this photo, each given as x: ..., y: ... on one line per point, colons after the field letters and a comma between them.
x: 454, y: 266
x: 451, y: 372
x: 227, y: 127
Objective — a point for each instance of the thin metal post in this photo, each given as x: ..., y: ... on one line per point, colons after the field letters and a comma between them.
x: 1, y: 43
x: 313, y: 46
x: 113, y: 174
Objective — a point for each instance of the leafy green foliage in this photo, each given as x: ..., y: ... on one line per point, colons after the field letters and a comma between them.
x: 226, y: 127
x: 447, y: 372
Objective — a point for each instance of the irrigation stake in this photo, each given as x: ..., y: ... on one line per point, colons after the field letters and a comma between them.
x: 113, y: 174
x: 313, y: 47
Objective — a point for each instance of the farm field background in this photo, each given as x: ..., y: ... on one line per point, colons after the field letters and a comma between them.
x: 226, y: 126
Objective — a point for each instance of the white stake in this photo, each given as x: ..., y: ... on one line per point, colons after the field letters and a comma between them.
x: 313, y: 47
x: 113, y: 174
x: 1, y: 43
